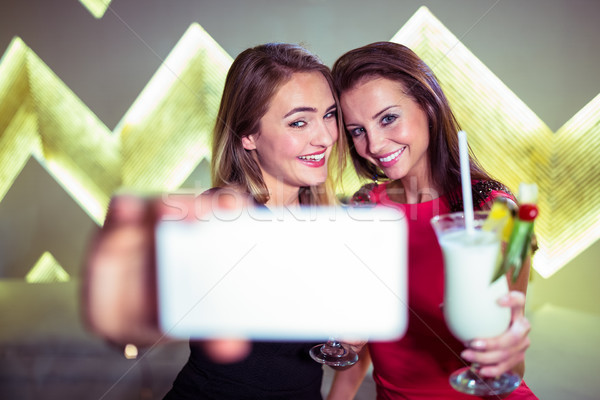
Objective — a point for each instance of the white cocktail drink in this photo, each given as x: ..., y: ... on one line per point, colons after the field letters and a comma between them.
x: 470, y: 299
x: 471, y: 308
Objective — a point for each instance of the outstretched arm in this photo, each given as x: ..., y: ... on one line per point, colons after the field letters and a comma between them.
x: 119, y: 291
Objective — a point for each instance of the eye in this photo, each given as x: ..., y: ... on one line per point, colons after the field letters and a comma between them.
x: 330, y: 114
x: 356, y: 132
x: 388, y: 119
x: 297, y: 124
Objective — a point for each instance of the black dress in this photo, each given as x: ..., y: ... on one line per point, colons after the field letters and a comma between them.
x: 273, y: 370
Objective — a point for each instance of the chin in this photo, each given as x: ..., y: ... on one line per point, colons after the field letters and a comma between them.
x: 320, y: 181
x: 315, y: 179
x: 394, y: 174
x: 314, y: 182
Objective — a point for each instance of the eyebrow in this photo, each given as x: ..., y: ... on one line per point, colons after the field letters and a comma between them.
x: 300, y: 109
x: 374, y: 116
x: 382, y: 111
x: 309, y: 109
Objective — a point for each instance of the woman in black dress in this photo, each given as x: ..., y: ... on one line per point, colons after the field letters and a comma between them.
x: 276, y: 129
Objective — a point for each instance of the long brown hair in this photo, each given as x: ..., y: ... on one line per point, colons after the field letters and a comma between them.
x: 397, y: 62
x: 253, y: 79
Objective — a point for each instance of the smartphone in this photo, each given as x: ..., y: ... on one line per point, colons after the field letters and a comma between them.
x: 285, y: 274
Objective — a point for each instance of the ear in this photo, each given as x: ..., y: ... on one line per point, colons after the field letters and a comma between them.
x: 249, y: 142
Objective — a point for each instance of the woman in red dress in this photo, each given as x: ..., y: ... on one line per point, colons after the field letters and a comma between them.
x: 402, y: 132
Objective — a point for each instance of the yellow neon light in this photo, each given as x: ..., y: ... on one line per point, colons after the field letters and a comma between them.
x: 158, y: 143
x: 96, y: 7
x: 516, y: 146
x: 47, y: 270
x: 166, y: 132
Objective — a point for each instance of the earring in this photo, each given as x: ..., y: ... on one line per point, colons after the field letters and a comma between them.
x: 375, y: 179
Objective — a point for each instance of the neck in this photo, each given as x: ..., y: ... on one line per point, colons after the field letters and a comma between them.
x: 283, y: 197
x: 410, y: 190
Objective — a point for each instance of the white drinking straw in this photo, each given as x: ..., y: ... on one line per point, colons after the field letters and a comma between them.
x: 465, y: 178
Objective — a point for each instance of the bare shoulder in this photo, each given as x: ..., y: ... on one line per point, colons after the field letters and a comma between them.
x: 192, y: 204
x: 227, y: 197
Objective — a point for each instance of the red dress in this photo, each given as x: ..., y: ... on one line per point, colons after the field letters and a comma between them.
x: 418, y: 366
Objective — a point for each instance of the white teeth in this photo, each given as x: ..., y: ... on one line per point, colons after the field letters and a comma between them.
x: 391, y: 156
x: 314, y: 157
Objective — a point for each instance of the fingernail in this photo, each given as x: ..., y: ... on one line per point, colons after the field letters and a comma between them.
x: 503, y: 299
x: 466, y: 355
x: 477, y: 344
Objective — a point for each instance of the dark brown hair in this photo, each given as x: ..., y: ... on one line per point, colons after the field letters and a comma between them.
x: 397, y: 62
x: 253, y: 79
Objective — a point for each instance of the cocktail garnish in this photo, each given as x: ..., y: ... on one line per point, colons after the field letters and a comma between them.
x: 500, y: 220
x: 519, y: 243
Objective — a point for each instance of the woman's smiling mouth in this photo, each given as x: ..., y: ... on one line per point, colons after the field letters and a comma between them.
x: 390, y: 159
x: 313, y: 160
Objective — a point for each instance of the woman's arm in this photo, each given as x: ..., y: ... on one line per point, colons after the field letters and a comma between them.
x: 346, y: 382
x: 119, y: 295
x: 119, y: 290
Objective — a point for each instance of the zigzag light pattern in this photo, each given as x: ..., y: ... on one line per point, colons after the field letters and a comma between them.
x: 96, y: 7
x: 158, y: 143
x: 47, y: 270
x: 166, y: 132
x: 515, y: 146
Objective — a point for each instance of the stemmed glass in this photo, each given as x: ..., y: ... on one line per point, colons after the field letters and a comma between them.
x: 334, y: 354
x: 470, y: 297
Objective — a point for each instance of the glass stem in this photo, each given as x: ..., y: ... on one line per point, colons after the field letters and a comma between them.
x: 333, y: 348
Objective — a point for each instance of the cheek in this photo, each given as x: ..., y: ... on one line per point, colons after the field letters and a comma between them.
x: 332, y: 129
x: 361, y: 146
x: 334, y: 133
x: 425, y: 141
x: 273, y: 151
x: 290, y: 145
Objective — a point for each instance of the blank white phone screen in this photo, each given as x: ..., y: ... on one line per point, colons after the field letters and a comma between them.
x: 284, y: 274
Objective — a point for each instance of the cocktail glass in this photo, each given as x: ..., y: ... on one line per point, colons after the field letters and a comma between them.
x: 334, y: 353
x: 471, y: 310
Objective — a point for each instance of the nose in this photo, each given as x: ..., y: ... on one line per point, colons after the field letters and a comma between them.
x: 376, y: 141
x: 325, y: 134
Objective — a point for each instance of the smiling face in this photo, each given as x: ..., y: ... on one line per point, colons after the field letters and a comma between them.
x: 388, y: 128
x: 296, y: 136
